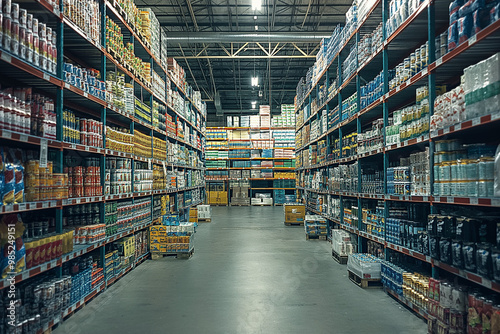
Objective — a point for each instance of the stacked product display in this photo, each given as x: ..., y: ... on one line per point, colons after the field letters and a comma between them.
x: 260, y: 156
x: 410, y: 132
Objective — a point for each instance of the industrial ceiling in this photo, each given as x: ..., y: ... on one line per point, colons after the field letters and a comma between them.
x: 222, y: 44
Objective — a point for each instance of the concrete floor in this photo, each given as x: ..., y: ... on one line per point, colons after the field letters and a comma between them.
x: 249, y: 274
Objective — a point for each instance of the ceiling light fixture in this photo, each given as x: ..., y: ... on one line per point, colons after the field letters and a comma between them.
x: 255, y: 81
x: 256, y: 27
x: 256, y: 4
x: 255, y: 17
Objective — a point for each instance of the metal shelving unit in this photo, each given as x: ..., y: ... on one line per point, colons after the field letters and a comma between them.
x: 73, y: 41
x: 430, y: 19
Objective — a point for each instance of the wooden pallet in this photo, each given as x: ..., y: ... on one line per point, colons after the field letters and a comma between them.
x: 342, y: 259
x: 319, y: 237
x: 262, y: 205
x: 364, y: 283
x: 294, y: 224
x: 204, y: 220
x: 179, y: 255
x: 239, y: 204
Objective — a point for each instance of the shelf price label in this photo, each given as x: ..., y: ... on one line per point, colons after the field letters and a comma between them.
x: 43, y: 153
x: 23, y: 138
x: 424, y: 72
x: 473, y: 201
x: 6, y: 57
x: 46, y: 77
x: 472, y: 40
x: 439, y: 61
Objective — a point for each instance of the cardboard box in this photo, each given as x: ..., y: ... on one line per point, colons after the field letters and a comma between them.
x: 294, y: 213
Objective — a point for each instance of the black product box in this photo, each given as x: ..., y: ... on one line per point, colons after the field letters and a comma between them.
x: 469, y: 252
x: 456, y: 254
x: 423, y: 243
x: 495, y: 257
x: 459, y: 228
x: 434, y: 247
x: 483, y: 260
x: 432, y: 225
x: 444, y: 226
x: 445, y: 250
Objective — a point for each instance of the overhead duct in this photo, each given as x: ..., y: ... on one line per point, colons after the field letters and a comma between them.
x: 235, y: 37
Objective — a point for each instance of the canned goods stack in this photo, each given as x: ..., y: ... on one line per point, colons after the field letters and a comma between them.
x: 464, y: 170
x: 116, y: 92
x: 142, y: 145
x: 85, y: 181
x: 372, y: 139
x: 159, y: 119
x: 159, y: 86
x: 81, y: 276
x: 416, y: 62
x: 372, y: 181
x: 81, y: 215
x: 398, y: 180
x: 118, y: 178
x: 142, y: 111
x: 369, y: 44
x: 410, y: 122
x: 350, y: 63
x: 28, y: 113
x: 47, y: 297
x: 374, y: 89
x: 81, y: 130
x: 111, y: 217
x: 407, y: 283
x: 130, y: 214
x: 89, y: 234
x: 349, y: 107
x: 373, y: 219
x: 171, y: 179
x: 119, y: 139
x: 143, y: 180
x: 159, y: 149
x: 170, y: 125
x: 441, y: 45
x: 151, y: 29
x: 85, y: 79
x: 24, y: 36
x: 41, y: 242
x: 86, y: 15
x: 43, y: 185
x: 158, y: 178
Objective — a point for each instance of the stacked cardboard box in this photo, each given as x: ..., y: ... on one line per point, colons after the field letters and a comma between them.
x: 294, y: 212
x: 315, y: 225
x: 240, y: 193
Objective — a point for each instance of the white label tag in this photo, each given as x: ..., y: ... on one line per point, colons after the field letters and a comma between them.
x: 495, y: 202
x: 46, y: 77
x: 472, y: 40
x: 23, y: 138
x: 424, y: 72
x: 476, y: 121
x: 66, y: 85
x: 73, y: 146
x: 439, y: 61
x: 7, y: 135
x: 45, y: 204
x: 149, y: 164
x: 6, y: 57
x: 43, y: 153
x: 408, y: 82
x: 87, y: 148
x: 85, y: 94
x: 398, y: 88
x: 78, y: 200
x: 473, y: 201
x: 22, y: 206
x: 450, y: 199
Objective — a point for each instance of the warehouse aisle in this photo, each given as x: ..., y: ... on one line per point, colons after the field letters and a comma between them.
x: 249, y: 274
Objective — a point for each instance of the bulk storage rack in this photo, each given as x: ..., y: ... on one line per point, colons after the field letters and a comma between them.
x: 430, y: 19
x: 266, y: 183
x: 75, y: 44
